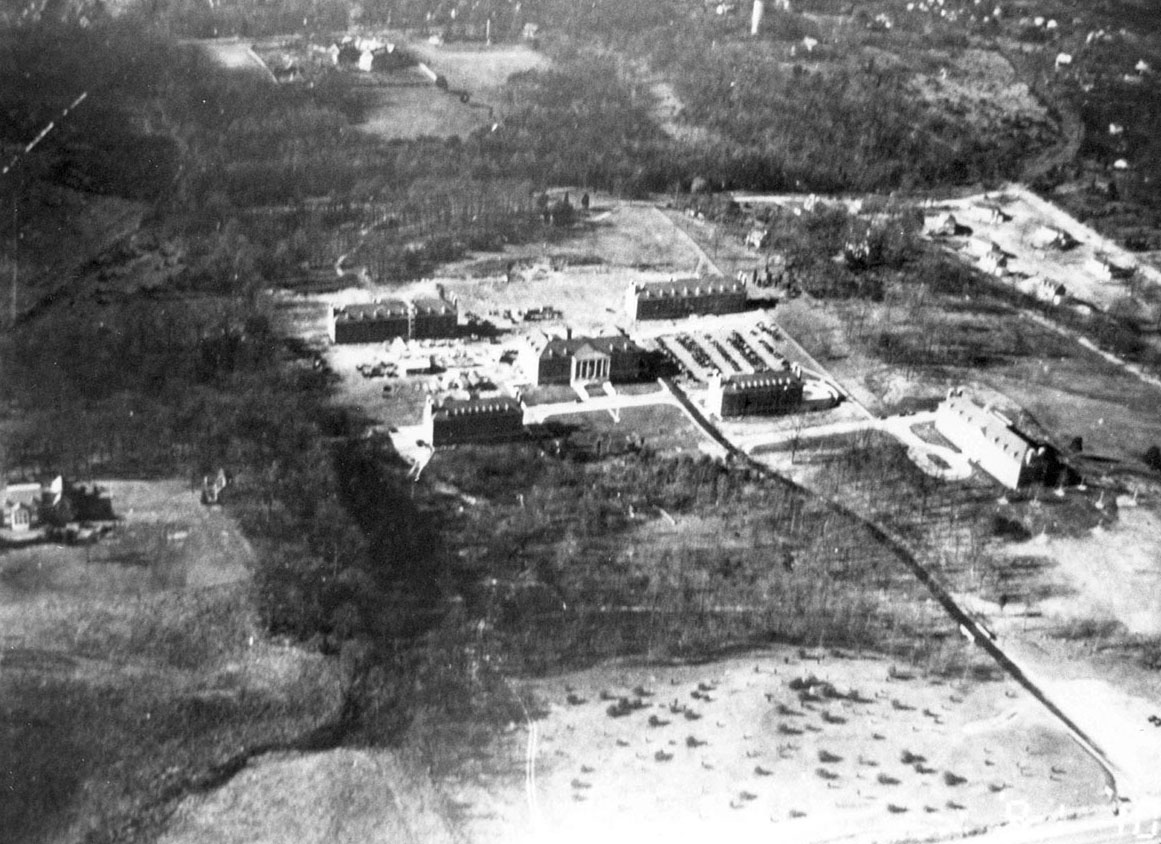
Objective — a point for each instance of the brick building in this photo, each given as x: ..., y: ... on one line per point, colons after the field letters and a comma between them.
x: 433, y: 318
x: 454, y: 421
x: 568, y: 360
x: 384, y: 320
x: 990, y: 440
x: 373, y: 322
x: 755, y: 393
x: 685, y: 297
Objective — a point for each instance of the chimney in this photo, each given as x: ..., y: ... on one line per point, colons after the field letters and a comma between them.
x: 756, y: 17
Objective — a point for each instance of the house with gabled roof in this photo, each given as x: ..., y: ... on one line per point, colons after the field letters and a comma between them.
x: 991, y: 441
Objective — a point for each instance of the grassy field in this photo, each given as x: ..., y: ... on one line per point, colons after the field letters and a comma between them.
x: 132, y: 667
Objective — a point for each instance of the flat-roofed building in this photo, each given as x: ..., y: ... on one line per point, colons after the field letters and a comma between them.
x: 990, y: 440
x: 765, y: 393
x: 455, y: 421
x: 569, y: 360
x: 685, y: 297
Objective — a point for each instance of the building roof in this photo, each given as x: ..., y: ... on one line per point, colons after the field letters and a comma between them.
x: 434, y: 307
x: 572, y: 346
x: 990, y: 424
x: 686, y: 287
x: 369, y: 311
x: 499, y: 405
x: 765, y: 379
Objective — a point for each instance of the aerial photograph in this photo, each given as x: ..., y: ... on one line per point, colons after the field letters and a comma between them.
x: 488, y: 421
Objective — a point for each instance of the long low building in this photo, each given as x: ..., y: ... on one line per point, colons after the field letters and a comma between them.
x: 456, y: 421
x: 685, y: 297
x: 765, y: 393
x: 585, y: 360
x: 990, y: 440
x: 386, y: 319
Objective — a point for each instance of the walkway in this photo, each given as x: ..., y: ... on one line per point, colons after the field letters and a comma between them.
x: 935, y: 460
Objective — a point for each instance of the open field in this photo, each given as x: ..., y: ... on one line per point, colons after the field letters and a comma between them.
x: 339, y: 796
x: 479, y: 69
x: 852, y: 746
x: 130, y: 667
x: 404, y: 103
x: 165, y: 540
x: 1114, y: 570
x: 234, y: 54
x: 615, y: 233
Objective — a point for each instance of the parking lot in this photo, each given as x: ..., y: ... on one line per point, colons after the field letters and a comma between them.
x: 730, y: 350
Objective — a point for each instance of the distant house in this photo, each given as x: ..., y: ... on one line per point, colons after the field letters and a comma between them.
x: 1045, y: 289
x: 994, y: 263
x: 289, y: 73
x: 995, y: 215
x: 51, y: 501
x: 685, y: 297
x: 17, y: 516
x: 943, y: 224
x: 1105, y: 267
x: 757, y: 238
x: 385, y: 320
x: 572, y: 360
x: 981, y: 246
x: 345, y: 53
x: 1050, y: 237
x: 458, y: 421
x: 755, y: 394
x: 213, y: 486
x: 990, y: 440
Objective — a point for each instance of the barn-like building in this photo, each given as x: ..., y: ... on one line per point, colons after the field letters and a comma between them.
x: 685, y: 297
x: 990, y: 440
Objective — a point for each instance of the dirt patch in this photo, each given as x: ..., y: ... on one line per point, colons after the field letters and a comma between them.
x: 1116, y: 571
x: 733, y: 746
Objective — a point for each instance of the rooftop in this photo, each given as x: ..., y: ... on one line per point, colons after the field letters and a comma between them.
x: 780, y: 378
x: 689, y: 287
x: 385, y: 309
x: 562, y: 347
x: 461, y: 407
x: 990, y: 424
